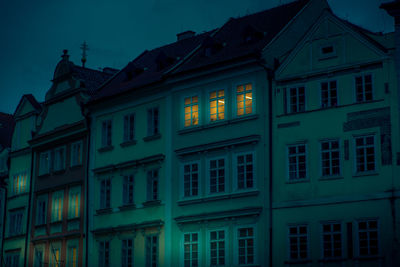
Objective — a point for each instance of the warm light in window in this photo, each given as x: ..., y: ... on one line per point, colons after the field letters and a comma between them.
x: 217, y: 105
x: 191, y: 111
x: 244, y: 99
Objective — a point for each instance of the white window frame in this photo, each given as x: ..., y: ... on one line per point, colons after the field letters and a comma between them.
x: 76, y: 156
x: 182, y: 179
x: 103, y: 198
x: 329, y: 104
x: 150, y: 182
x: 74, y: 202
x: 356, y: 172
x: 225, y: 97
x: 199, y: 252
x: 126, y: 186
x: 235, y: 172
x: 41, y: 219
x: 322, y: 223
x: 60, y: 160
x: 298, y: 235
x: 227, y: 244
x: 357, y: 252
x: 149, y: 264
x: 297, y: 179
x: 45, y: 169
x: 123, y: 249
x: 288, y: 103
x: 129, y: 127
x: 235, y: 94
x: 55, y: 208
x: 106, y: 133
x: 199, y: 110
x: 362, y: 75
x: 330, y: 150
x: 153, y: 122
x: 102, y: 248
x: 236, y: 244
x: 226, y: 175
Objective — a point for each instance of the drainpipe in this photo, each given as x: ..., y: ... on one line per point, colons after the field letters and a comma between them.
x: 87, y: 118
x: 29, y: 209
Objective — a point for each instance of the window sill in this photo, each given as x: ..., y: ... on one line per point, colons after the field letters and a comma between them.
x: 332, y: 260
x: 127, y: 207
x: 151, y: 203
x: 152, y: 137
x: 190, y: 129
x: 56, y: 222
x: 363, y: 174
x: 105, y: 148
x: 128, y: 143
x: 368, y: 258
x: 330, y: 178
x: 58, y: 171
x: 297, y: 181
x: 14, y: 236
x: 18, y: 195
x: 193, y: 200
x: 43, y: 175
x: 42, y: 225
x: 104, y: 211
x: 75, y: 167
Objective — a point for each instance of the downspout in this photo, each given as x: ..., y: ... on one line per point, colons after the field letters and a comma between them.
x: 29, y: 209
x: 87, y: 118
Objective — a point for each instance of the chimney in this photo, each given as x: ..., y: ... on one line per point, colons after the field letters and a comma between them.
x: 185, y: 35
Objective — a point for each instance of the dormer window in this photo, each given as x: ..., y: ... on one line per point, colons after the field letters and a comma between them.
x: 327, y: 51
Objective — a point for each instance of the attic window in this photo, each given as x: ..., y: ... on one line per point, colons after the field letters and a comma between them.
x: 327, y: 51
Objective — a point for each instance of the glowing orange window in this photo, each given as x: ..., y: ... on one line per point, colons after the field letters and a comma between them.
x: 217, y: 105
x: 244, y: 99
x: 191, y: 111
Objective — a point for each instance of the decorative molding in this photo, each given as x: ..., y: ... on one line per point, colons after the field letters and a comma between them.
x: 129, y: 227
x: 289, y: 124
x: 132, y: 163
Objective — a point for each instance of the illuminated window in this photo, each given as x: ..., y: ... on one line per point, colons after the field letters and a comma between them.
x: 191, y: 249
x: 57, y: 206
x: 59, y: 158
x: 73, y: 256
x: 217, y: 105
x: 364, y: 88
x: 74, y: 202
x: 76, y: 153
x: 244, y: 99
x: 19, y: 183
x: 44, y: 162
x: 54, y: 253
x: 191, y: 111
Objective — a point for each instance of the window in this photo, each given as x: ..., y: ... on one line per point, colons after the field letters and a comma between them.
x: 45, y: 161
x: 12, y: 259
x: 327, y: 51
x: 217, y: 175
x: 296, y: 99
x: 127, y: 253
x: 38, y: 261
x: 368, y: 234
x: 15, y: 222
x: 73, y: 256
x: 104, y: 253
x: 245, y: 171
x: 217, y: 105
x: 74, y: 202
x: 57, y: 206
x: 152, y: 185
x: 76, y: 153
x: 330, y: 158
x: 191, y: 111
x: 106, y: 128
x: 152, y: 251
x: 244, y: 99
x: 191, y: 179
x: 59, y: 158
x: 364, y: 88
x: 297, y: 162
x: 41, y: 208
x: 217, y: 248
x: 298, y: 242
x: 55, y: 255
x: 105, y: 193
x: 129, y: 127
x: 191, y: 249
x: 127, y: 190
x: 152, y: 121
x: 246, y: 245
x: 329, y: 96
x: 332, y: 240
x: 365, y: 154
x: 19, y: 185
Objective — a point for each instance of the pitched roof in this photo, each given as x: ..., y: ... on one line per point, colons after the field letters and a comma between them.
x: 7, y: 124
x: 91, y: 79
x: 149, y: 67
x: 36, y: 105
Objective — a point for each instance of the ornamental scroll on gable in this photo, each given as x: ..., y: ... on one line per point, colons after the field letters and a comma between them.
x: 379, y: 117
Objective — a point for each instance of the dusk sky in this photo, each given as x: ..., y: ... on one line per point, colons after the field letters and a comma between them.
x: 34, y: 33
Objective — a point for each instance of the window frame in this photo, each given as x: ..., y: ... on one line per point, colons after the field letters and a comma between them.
x: 329, y: 105
x: 38, y: 249
x: 226, y: 175
x: 366, y: 172
x: 208, y: 245
x: 236, y: 244
x: 17, y: 185
x: 154, y: 129
x: 182, y: 247
x: 125, y: 191
x: 151, y: 236
x: 44, y: 199
x: 297, y: 236
x: 208, y: 108
x: 102, y: 262
x: 71, y: 244
x: 52, y: 255
x: 59, y: 194
x: 12, y: 257
x: 235, y: 172
x: 104, y: 199
x: 199, y: 110
x: 127, y: 249
x: 129, y: 127
x: 362, y: 75
x: 80, y: 154
x: 342, y: 241
x: 331, y: 176
x: 287, y: 101
x: 378, y: 230
x: 291, y: 180
x: 62, y: 160
x: 49, y: 162
x: 106, y: 133
x: 235, y: 102
x: 15, y: 224
x: 73, y: 192
x: 328, y: 55
x: 182, y: 179
x: 150, y: 178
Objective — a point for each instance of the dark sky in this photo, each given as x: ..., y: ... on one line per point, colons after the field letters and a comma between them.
x: 34, y: 32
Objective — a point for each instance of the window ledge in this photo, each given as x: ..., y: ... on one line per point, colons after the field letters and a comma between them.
x: 44, y: 175
x: 127, y: 207
x: 75, y: 167
x: 128, y: 143
x: 14, y: 236
x: 244, y: 118
x: 152, y: 137
x: 58, y: 171
x: 193, y: 200
x: 151, y: 203
x: 56, y: 223
x: 18, y: 195
x: 42, y: 225
x: 105, y: 148
x: 297, y: 181
x: 330, y: 178
x: 363, y: 174
x: 104, y: 211
x: 367, y: 258
x: 74, y: 219
x: 332, y: 260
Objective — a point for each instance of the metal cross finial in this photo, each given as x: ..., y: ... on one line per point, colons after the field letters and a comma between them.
x: 84, y: 48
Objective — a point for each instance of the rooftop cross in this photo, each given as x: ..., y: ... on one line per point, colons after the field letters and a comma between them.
x: 84, y: 48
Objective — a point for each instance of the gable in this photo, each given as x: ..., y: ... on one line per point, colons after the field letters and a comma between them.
x: 330, y: 44
x: 24, y: 107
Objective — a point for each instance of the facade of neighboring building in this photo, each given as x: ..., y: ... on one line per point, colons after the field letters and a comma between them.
x: 19, y: 182
x: 6, y: 130
x: 58, y: 211
x: 335, y: 132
